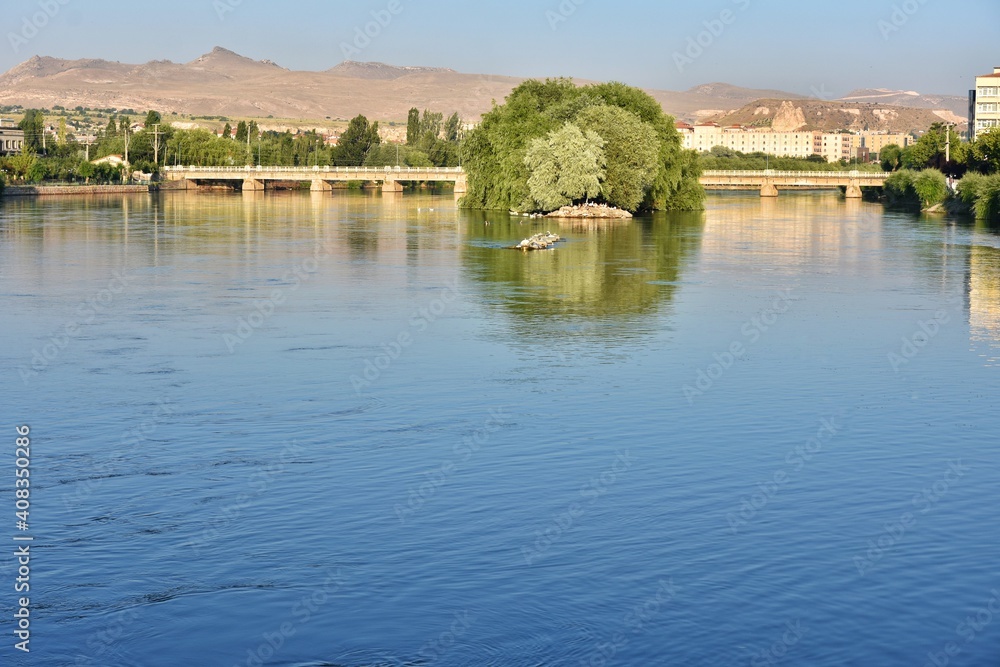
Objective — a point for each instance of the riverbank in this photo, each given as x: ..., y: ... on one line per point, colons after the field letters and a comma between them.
x: 61, y: 190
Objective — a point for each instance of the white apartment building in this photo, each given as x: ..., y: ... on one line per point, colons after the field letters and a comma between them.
x: 985, y: 103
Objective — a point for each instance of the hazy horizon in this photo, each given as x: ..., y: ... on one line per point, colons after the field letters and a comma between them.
x: 785, y: 46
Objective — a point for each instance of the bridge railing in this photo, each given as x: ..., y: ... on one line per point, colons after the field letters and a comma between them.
x: 318, y: 169
x: 771, y: 173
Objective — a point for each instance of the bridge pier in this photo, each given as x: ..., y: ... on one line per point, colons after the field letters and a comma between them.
x: 319, y: 185
x: 768, y: 189
x: 853, y: 190
x: 461, y: 185
x: 252, y: 185
x: 390, y: 185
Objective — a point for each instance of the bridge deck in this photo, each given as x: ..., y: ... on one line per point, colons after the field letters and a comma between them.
x: 817, y: 179
x: 321, y: 172
x: 253, y: 178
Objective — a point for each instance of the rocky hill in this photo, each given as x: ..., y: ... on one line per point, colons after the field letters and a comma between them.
x: 910, y: 98
x: 786, y: 115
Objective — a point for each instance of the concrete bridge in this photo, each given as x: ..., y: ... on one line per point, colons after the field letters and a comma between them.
x: 321, y: 177
x: 391, y: 178
x: 769, y: 181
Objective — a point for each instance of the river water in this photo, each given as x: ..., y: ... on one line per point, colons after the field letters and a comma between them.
x: 355, y: 430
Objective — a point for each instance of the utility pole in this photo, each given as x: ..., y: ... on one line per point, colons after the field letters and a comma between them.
x: 156, y: 143
x: 126, y: 149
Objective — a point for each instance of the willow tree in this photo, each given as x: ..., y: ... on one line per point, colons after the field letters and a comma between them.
x: 495, y: 152
x: 567, y: 165
x: 630, y: 148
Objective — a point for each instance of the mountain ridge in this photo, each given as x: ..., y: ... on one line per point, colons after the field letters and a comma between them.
x: 223, y: 82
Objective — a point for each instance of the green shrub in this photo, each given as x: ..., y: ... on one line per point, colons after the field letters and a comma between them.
x: 969, y: 188
x: 981, y: 194
x: 931, y: 187
x: 900, y: 191
x: 987, y: 205
x: 916, y: 190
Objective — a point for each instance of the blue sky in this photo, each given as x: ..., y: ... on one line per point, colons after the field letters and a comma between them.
x: 800, y: 46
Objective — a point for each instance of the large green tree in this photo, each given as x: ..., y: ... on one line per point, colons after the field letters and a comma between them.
x: 33, y: 125
x: 413, y: 127
x: 356, y: 143
x: 630, y: 147
x: 430, y: 126
x: 494, y: 153
x: 566, y: 166
x: 890, y: 157
x: 929, y: 151
x: 985, y: 152
x: 452, y: 128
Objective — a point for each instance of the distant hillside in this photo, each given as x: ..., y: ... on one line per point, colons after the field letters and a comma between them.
x: 224, y: 83
x: 956, y: 104
x: 811, y: 114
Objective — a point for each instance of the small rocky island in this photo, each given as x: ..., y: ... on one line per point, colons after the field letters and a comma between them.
x: 538, y: 242
x: 591, y: 211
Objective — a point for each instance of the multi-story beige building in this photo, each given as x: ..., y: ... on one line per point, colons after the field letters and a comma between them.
x: 836, y: 147
x: 833, y: 146
x: 706, y: 136
x: 875, y: 142
x: 985, y: 105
